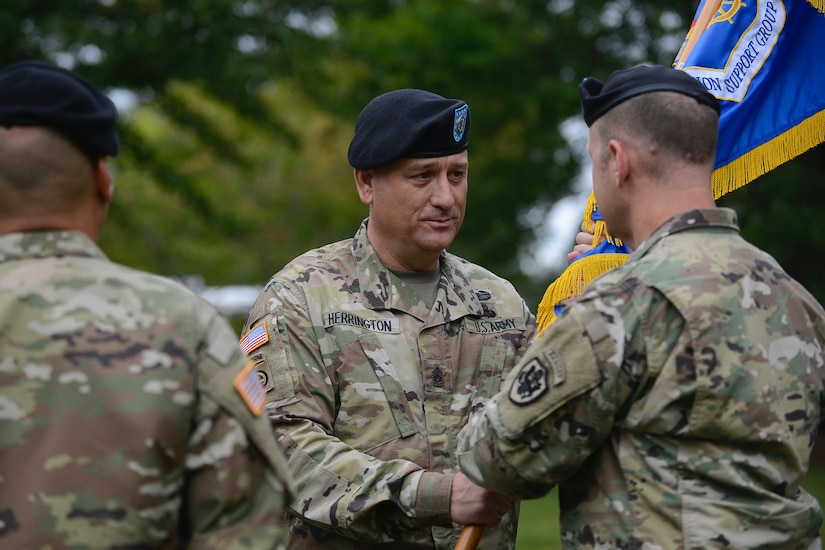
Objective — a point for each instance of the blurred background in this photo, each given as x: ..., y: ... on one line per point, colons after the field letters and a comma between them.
x: 236, y: 115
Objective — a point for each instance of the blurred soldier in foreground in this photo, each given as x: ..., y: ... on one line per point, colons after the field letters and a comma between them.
x: 676, y: 402
x: 127, y: 419
x: 375, y: 349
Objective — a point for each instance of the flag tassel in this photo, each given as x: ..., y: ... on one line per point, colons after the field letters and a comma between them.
x: 762, y: 159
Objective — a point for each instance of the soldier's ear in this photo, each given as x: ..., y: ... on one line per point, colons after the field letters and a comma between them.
x: 364, y: 183
x: 104, y: 183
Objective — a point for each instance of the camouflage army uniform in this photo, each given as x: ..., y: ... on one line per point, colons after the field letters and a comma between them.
x: 676, y: 402
x: 120, y: 426
x: 369, y: 388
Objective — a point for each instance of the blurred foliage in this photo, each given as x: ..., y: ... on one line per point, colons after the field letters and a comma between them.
x: 234, y: 154
x: 781, y: 212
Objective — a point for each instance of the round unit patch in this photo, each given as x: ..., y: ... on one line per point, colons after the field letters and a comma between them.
x: 531, y: 383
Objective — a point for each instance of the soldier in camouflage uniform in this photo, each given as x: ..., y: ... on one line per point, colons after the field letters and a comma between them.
x: 374, y: 350
x: 676, y: 402
x: 129, y: 417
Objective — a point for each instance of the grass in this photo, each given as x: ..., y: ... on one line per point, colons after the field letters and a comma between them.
x: 539, y: 524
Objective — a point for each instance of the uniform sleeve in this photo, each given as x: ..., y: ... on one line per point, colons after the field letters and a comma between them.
x: 336, y: 486
x: 236, y: 480
x: 554, y: 410
x: 529, y: 332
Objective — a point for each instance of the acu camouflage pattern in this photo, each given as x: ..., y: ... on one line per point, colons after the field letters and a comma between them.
x: 119, y: 423
x: 680, y: 400
x: 369, y: 389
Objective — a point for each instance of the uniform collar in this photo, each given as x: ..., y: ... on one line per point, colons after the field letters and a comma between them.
x: 381, y: 289
x: 692, y: 219
x: 47, y: 244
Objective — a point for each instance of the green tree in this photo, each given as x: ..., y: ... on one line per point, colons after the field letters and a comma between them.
x: 234, y: 157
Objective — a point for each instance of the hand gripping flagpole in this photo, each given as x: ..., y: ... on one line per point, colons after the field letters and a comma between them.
x: 470, y: 537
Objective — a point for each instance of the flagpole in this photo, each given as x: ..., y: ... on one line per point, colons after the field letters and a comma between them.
x: 708, y: 11
x: 470, y: 537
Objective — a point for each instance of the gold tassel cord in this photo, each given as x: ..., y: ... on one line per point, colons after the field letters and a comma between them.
x: 764, y: 158
x: 582, y: 271
x: 597, y: 226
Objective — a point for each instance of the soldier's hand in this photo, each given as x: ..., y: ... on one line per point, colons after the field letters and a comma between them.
x: 474, y: 505
x: 584, y: 242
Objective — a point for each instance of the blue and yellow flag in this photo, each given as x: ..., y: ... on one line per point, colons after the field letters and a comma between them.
x: 608, y: 253
x: 763, y: 60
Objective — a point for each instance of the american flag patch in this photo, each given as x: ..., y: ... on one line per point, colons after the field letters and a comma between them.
x: 249, y: 386
x: 255, y: 338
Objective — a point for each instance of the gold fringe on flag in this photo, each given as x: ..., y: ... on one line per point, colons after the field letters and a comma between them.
x: 818, y: 4
x: 582, y: 271
x: 762, y: 159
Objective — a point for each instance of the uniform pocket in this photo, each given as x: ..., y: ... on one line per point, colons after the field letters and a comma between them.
x: 373, y: 408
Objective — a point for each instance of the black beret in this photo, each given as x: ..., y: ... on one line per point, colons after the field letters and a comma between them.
x: 598, y: 98
x: 36, y: 93
x: 408, y: 123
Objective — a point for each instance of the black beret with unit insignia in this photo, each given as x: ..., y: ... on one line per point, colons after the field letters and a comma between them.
x: 37, y: 93
x: 408, y: 123
x: 598, y: 98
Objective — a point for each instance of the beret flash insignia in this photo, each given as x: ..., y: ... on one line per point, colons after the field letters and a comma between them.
x: 460, y: 123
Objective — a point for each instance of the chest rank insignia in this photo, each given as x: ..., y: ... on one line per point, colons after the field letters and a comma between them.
x: 438, y: 378
x: 530, y: 384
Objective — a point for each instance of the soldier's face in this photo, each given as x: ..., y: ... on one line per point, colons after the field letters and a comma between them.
x: 416, y: 209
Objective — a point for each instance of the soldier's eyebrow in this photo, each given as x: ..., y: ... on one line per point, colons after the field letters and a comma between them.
x: 425, y: 164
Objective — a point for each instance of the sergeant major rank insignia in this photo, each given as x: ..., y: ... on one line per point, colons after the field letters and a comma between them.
x: 438, y: 378
x: 531, y: 383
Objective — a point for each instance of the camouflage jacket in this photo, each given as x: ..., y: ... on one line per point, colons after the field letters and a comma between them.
x: 120, y: 425
x: 676, y: 402
x: 369, y: 389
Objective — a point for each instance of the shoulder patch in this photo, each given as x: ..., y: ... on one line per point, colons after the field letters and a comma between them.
x: 255, y: 338
x: 560, y: 366
x: 249, y: 386
x: 531, y: 383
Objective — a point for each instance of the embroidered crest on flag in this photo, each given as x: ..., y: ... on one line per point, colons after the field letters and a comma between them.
x: 749, y: 35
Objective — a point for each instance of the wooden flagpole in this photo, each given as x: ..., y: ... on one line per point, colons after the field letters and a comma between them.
x: 702, y: 22
x: 470, y: 537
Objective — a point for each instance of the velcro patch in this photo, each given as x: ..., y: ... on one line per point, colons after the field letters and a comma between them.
x: 249, y: 386
x: 255, y: 338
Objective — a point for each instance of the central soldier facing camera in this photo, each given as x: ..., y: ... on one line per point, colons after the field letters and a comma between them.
x: 375, y: 350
